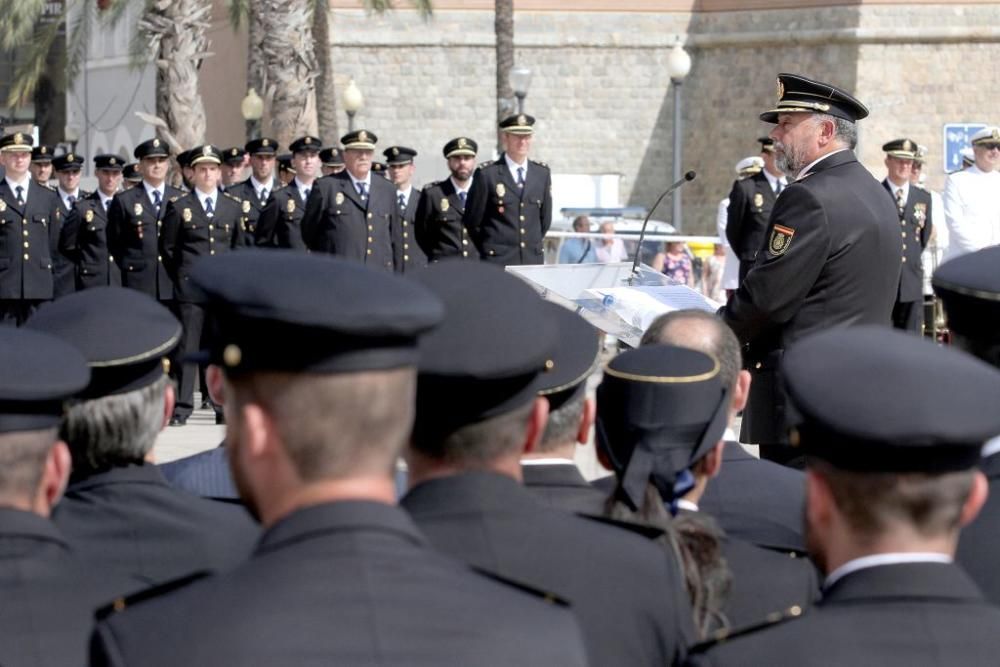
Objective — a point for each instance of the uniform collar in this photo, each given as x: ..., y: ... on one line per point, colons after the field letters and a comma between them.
x: 202, y: 197
x: 804, y: 172
x: 774, y: 180
x: 457, y: 187
x: 150, y: 189
x: 876, y: 560
x: 24, y: 184
x: 258, y: 186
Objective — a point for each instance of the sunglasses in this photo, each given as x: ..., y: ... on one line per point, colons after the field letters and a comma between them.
x: 991, y: 146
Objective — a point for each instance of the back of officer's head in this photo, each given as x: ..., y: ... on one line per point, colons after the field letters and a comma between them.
x: 125, y: 336
x: 39, y: 373
x: 892, y: 427
x: 969, y: 288
x: 319, y: 358
x: 477, y: 395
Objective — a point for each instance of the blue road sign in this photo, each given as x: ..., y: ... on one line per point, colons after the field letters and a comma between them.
x: 956, y: 137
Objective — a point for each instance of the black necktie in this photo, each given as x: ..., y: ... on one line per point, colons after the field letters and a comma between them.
x: 305, y: 194
x: 520, y: 177
x: 107, y: 203
x: 263, y: 195
x: 402, y: 202
x: 462, y: 196
x: 20, y: 195
x: 156, y: 201
x: 779, y: 186
x: 363, y: 190
x: 70, y: 201
x: 209, y: 210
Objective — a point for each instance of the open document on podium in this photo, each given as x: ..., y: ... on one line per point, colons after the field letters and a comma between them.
x: 640, y: 305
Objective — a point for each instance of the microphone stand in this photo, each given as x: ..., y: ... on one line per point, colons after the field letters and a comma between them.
x: 642, y: 232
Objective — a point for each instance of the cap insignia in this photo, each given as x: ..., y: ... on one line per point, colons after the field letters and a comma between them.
x: 18, y: 138
x: 232, y: 355
x: 206, y: 150
x: 395, y: 151
x: 70, y: 158
x: 461, y: 142
x: 235, y: 152
x: 156, y: 143
x: 996, y: 134
x: 781, y: 90
x: 113, y: 161
x: 43, y: 150
x: 521, y: 120
x: 362, y: 136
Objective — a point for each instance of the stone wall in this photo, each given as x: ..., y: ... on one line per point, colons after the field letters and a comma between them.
x: 604, y: 101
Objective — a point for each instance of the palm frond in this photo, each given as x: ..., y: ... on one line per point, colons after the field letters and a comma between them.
x: 19, y: 22
x: 30, y: 71
x: 79, y: 37
x: 238, y: 11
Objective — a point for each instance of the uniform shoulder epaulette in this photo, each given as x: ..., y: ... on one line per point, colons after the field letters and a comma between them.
x: 175, y: 198
x: 233, y: 197
x: 920, y: 186
x: 724, y: 635
x: 539, y: 163
x: 643, y: 529
x: 483, y: 165
x: 547, y: 596
x: 84, y: 194
x: 47, y: 186
x: 122, y: 603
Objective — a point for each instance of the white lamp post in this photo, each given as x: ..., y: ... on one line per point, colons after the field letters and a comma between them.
x: 678, y: 66
x: 353, y: 100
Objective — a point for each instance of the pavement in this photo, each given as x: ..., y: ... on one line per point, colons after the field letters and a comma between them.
x: 200, y: 433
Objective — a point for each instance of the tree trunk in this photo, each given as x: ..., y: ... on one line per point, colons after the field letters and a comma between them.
x: 504, y: 28
x: 176, y: 33
x: 326, y: 98
x: 255, y: 38
x: 288, y: 56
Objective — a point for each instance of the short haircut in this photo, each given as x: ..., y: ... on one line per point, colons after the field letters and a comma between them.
x: 22, y: 459
x: 874, y: 504
x: 688, y: 328
x: 334, y: 425
x: 845, y: 130
x: 114, y: 430
x: 563, y: 423
x: 581, y: 220
x: 479, y: 444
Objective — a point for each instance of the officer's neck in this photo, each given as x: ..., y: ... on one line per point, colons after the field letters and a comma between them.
x: 360, y: 179
x: 154, y: 184
x: 422, y: 468
x: 897, y: 186
x: 374, y: 488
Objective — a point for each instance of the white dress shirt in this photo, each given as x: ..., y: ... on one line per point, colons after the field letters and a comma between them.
x: 972, y: 210
x: 13, y: 185
x: 883, y: 559
x: 513, y: 167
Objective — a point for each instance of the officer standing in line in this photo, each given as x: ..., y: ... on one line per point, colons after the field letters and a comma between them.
x: 315, y: 425
x: 280, y: 222
x: 832, y: 253
x: 332, y: 159
x: 438, y: 225
x: 892, y: 478
x: 353, y: 214
x: 969, y: 288
x: 255, y: 191
x: 971, y: 205
x: 67, y: 168
x: 914, y: 207
x: 202, y: 223
x: 56, y: 594
x: 30, y: 218
x: 41, y: 164
x: 233, y: 161
x: 750, y: 203
x: 409, y: 255
x: 509, y: 210
x: 131, y: 176
x: 134, y: 222
x: 84, y: 237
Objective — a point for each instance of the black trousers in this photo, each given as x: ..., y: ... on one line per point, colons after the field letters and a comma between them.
x: 908, y: 316
x: 14, y: 312
x: 192, y: 318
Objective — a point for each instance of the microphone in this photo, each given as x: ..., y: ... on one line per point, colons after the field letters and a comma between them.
x: 642, y: 232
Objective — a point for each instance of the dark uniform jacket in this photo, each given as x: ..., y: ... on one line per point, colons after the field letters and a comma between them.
x: 757, y: 501
x: 280, y: 222
x: 188, y: 233
x: 29, y: 241
x: 831, y: 259
x: 439, y: 227
x: 204, y: 474
x: 626, y: 591
x: 506, y: 223
x: 764, y: 581
x: 561, y: 485
x: 251, y: 206
x: 133, y: 240
x: 337, y: 221
x: 915, y: 230
x: 750, y: 204
x: 49, y: 597
x: 128, y: 521
x: 84, y: 240
x: 979, y: 544
x: 409, y: 255
x: 905, y: 615
x: 345, y: 583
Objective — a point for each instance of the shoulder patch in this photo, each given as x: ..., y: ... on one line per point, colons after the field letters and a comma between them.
x: 122, y: 603
x: 724, y: 635
x: 483, y: 165
x: 781, y: 238
x: 551, y: 598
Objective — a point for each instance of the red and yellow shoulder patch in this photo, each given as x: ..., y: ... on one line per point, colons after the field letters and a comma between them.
x: 781, y: 238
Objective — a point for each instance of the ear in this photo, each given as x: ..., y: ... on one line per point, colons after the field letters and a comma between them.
x: 535, y: 427
x: 258, y: 435
x: 55, y: 475
x: 712, y: 461
x: 977, y: 498
x: 819, y: 499
x: 741, y: 391
x: 216, y: 385
x: 586, y: 421
x: 169, y: 398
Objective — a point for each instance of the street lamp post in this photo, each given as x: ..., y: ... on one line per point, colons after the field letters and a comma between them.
x: 520, y: 80
x: 353, y: 99
x: 252, y: 108
x: 678, y: 66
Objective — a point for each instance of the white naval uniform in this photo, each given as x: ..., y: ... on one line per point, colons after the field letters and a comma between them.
x: 972, y: 210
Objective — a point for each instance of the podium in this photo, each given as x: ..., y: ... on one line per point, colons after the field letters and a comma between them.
x: 610, y: 296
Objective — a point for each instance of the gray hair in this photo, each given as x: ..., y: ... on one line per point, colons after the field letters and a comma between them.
x: 563, y: 423
x: 845, y: 130
x: 114, y: 430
